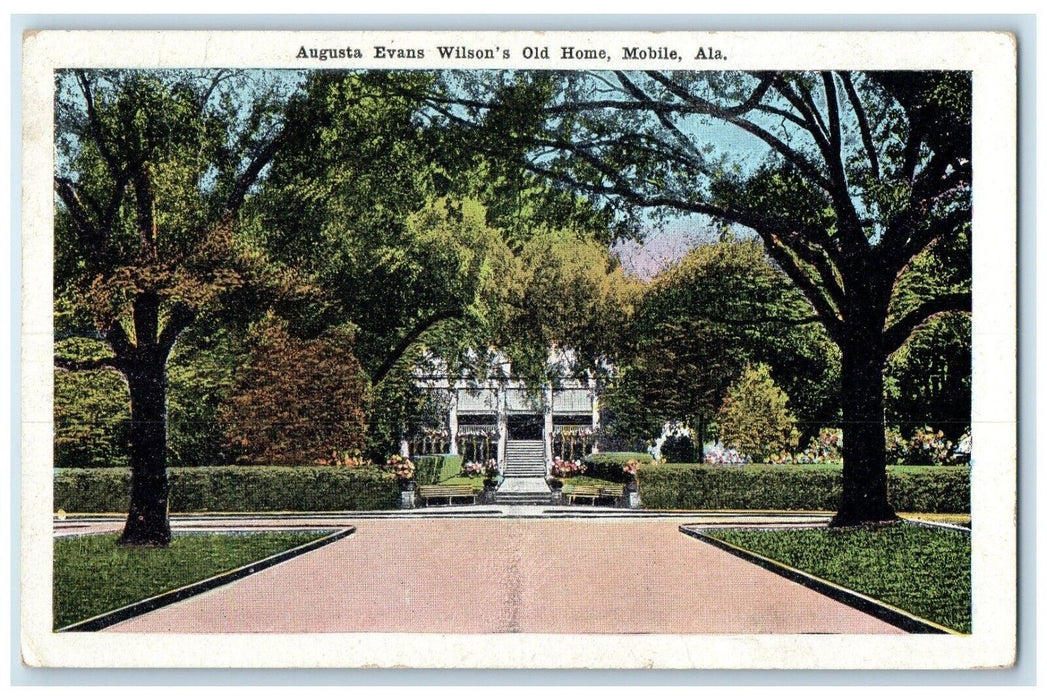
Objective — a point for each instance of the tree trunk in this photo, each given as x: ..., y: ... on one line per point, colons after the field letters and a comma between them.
x: 864, y: 498
x: 699, y: 439
x: 147, y: 518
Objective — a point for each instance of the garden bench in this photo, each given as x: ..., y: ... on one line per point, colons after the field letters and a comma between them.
x: 593, y: 493
x: 449, y: 492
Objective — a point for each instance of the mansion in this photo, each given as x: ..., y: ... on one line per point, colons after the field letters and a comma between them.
x: 522, y: 426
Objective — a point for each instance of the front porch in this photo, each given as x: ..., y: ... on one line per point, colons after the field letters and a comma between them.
x: 522, y: 429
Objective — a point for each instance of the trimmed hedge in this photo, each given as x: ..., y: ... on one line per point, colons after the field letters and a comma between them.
x: 234, y: 489
x: 608, y: 465
x: 791, y: 487
x: 434, y: 469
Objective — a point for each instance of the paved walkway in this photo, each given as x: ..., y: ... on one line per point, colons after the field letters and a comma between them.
x: 524, y: 484
x: 539, y: 575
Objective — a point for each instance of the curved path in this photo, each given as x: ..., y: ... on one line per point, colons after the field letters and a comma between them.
x: 489, y: 575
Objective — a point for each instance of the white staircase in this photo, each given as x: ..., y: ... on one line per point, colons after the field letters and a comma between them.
x: 524, y: 472
x: 524, y: 458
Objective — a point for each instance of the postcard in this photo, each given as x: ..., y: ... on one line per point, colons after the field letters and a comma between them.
x: 481, y: 349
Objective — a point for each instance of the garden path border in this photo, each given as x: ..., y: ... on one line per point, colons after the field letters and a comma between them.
x: 162, y: 600
x: 859, y: 601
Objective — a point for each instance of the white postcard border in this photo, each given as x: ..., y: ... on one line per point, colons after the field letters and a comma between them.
x: 991, y: 57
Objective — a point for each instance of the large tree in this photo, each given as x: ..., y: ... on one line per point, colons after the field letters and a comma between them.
x: 846, y: 177
x: 152, y: 171
x: 701, y: 321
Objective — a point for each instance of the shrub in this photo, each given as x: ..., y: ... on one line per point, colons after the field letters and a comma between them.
x: 234, y: 489
x: 928, y: 446
x: 611, y: 465
x: 432, y: 469
x: 296, y: 400
x: 755, y: 418
x: 816, y: 487
x: 92, y: 417
x: 823, y: 449
x: 896, y: 446
x: 679, y: 449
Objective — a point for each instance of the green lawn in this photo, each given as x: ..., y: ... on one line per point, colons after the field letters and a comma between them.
x: 477, y: 482
x: 926, y: 571
x: 572, y: 481
x: 92, y: 575
x: 962, y: 519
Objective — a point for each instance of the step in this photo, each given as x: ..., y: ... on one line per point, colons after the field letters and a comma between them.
x: 524, y: 499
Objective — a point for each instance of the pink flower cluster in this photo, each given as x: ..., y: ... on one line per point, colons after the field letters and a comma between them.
x: 564, y: 468
x: 489, y: 467
x: 401, y: 466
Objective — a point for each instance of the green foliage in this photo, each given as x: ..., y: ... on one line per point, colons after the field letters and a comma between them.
x: 755, y: 418
x: 234, y: 489
x: 477, y: 482
x: 92, y: 575
x: 92, y: 419
x: 700, y: 322
x: 679, y: 449
x: 928, y: 381
x: 152, y: 170
x: 356, y: 199
x: 808, y: 487
x: 201, y: 376
x: 567, y: 293
x: 436, y: 469
x: 296, y: 400
x: 609, y: 465
x: 398, y: 408
x: 924, y: 570
x: 166, y: 152
x: 628, y: 423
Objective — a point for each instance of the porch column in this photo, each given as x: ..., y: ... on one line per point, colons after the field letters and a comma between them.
x: 503, y: 424
x: 594, y: 401
x: 547, y: 436
x: 452, y: 422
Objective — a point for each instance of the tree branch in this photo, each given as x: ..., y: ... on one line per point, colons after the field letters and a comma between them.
x: 815, y: 296
x: 182, y: 316
x: 895, y: 335
x: 94, y: 125
x: 863, y: 123
x: 88, y: 234
x: 819, y: 255
x: 663, y: 117
x: 833, y: 110
x: 900, y: 250
x: 144, y: 210
x: 394, y: 355
x: 779, y: 146
x: 812, y: 122
x: 251, y: 173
